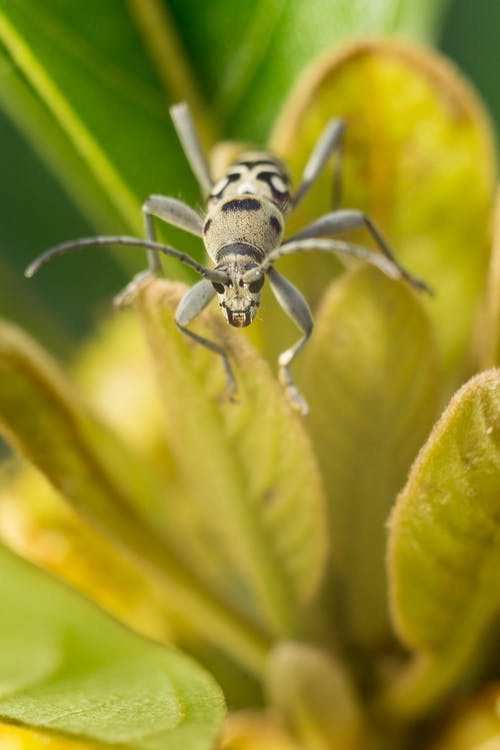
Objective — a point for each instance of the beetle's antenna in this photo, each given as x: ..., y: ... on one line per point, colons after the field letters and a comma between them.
x: 105, y: 241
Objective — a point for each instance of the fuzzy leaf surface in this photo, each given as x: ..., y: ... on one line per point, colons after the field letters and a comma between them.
x: 67, y: 667
x: 107, y: 484
x: 313, y: 693
x: 370, y: 378
x: 444, y: 547
x: 249, y: 464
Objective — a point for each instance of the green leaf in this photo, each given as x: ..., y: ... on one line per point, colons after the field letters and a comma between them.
x: 246, y: 83
x: 313, y: 693
x: 489, y: 330
x: 110, y: 486
x: 370, y: 378
x: 249, y: 465
x: 444, y: 546
x: 417, y: 138
x: 85, y: 71
x: 67, y: 667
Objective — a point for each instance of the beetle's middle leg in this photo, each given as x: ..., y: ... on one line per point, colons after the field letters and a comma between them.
x: 296, y: 307
x: 173, y: 212
x: 191, y: 305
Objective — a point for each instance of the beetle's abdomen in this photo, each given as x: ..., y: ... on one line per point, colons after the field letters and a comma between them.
x: 244, y: 219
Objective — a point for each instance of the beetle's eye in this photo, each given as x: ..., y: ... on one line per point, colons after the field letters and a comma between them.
x: 219, y: 288
x: 256, y: 286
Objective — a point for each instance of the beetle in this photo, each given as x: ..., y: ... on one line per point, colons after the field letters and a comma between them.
x: 243, y: 230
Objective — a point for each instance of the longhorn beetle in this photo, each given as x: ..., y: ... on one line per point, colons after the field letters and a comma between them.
x: 243, y: 235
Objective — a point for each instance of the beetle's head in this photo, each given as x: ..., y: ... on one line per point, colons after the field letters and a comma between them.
x: 239, y: 294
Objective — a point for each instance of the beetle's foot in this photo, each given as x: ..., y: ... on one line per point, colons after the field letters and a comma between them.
x: 128, y: 295
x: 294, y: 396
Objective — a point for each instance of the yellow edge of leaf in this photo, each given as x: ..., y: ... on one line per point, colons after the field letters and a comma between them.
x: 440, y: 71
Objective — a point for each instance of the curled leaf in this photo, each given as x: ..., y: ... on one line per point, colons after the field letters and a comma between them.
x: 444, y: 547
x: 489, y: 332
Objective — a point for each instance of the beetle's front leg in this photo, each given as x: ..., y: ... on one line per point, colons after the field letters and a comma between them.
x: 294, y: 304
x: 191, y: 305
x: 173, y: 212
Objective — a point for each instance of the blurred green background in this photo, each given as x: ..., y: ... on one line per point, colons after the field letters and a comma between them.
x: 60, y: 307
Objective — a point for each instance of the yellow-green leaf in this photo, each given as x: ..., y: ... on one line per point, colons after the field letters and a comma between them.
x: 417, y: 139
x: 108, y: 485
x: 444, y: 545
x: 474, y: 723
x: 252, y: 730
x: 489, y: 331
x: 249, y: 464
x: 313, y: 693
x: 370, y: 378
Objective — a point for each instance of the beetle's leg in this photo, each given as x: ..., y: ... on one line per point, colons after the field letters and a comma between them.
x: 188, y: 137
x: 173, y: 212
x: 329, y: 142
x: 193, y: 302
x: 337, y: 247
x: 346, y: 219
x: 296, y: 307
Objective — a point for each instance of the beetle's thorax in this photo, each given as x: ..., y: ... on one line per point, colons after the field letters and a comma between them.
x: 256, y: 173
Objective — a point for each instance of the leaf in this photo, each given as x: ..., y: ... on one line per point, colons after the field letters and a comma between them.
x: 246, y: 83
x: 444, y: 547
x: 370, y: 378
x: 417, y: 138
x: 114, y: 376
x: 95, y: 78
x: 42, y: 132
x: 489, y: 330
x: 249, y: 464
x: 474, y: 723
x: 28, y: 739
x: 312, y: 692
x: 110, y: 487
x: 252, y: 730
x: 66, y: 667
